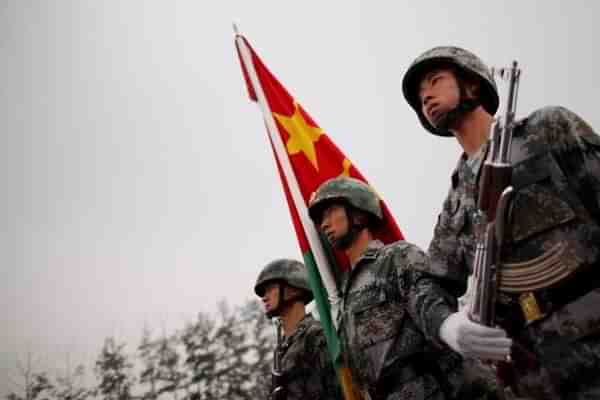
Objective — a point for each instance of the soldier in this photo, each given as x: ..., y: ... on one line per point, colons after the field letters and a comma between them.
x: 391, y: 308
x: 306, y: 371
x: 555, y: 211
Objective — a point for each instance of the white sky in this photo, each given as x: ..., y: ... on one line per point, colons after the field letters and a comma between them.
x: 138, y: 185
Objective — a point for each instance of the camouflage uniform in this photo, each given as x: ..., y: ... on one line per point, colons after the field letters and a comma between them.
x: 391, y: 311
x: 555, y: 210
x: 308, y: 372
x: 389, y: 321
x: 556, y: 159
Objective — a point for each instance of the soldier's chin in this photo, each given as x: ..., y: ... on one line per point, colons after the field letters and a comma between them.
x: 331, y: 240
x: 448, y: 121
x: 440, y: 121
x: 271, y: 313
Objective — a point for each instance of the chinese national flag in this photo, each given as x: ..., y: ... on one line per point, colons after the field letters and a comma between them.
x: 306, y: 157
x: 314, y: 157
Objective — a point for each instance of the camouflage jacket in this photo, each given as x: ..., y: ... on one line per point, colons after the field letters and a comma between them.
x: 389, y: 319
x: 556, y: 177
x: 307, y: 369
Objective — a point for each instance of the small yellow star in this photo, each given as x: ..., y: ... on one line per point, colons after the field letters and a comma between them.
x: 302, y: 136
x: 346, y: 166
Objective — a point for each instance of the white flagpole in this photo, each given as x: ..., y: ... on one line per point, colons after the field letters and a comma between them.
x: 309, y: 227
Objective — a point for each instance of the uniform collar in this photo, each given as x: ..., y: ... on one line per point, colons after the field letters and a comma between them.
x: 371, y: 252
x: 473, y: 164
x: 300, y: 329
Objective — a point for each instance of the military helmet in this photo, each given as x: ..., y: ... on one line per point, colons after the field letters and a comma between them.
x: 463, y: 59
x: 348, y: 190
x: 291, y: 272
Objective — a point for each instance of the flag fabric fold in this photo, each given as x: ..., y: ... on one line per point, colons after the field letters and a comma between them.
x: 305, y: 157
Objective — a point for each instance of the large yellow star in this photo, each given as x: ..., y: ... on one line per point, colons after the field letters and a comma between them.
x: 302, y: 136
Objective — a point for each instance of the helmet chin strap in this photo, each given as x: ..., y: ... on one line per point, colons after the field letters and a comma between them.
x: 346, y: 240
x: 465, y: 105
x: 282, y: 302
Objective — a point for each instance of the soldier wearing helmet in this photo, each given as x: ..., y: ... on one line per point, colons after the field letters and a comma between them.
x: 391, y: 307
x: 306, y: 371
x: 556, y: 178
x: 282, y: 283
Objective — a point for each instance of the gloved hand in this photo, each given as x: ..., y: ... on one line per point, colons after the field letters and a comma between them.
x: 474, y: 340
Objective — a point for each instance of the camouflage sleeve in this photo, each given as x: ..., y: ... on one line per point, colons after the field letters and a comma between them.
x: 323, y: 379
x: 428, y: 303
x: 446, y: 255
x: 577, y: 149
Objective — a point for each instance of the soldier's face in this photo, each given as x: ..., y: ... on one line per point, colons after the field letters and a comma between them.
x: 334, y: 222
x: 439, y: 93
x: 270, y: 298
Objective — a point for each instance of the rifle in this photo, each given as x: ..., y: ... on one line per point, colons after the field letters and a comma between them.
x: 277, y: 377
x: 495, y: 193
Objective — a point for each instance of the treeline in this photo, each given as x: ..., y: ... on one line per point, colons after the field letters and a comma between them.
x: 227, y: 356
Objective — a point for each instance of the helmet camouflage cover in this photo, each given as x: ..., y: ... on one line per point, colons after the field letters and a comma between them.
x: 292, y: 272
x: 459, y: 58
x: 349, y: 190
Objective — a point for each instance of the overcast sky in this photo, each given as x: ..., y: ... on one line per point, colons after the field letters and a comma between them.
x: 138, y: 187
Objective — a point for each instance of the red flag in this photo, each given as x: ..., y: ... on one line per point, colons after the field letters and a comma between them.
x: 306, y: 157
x: 313, y: 156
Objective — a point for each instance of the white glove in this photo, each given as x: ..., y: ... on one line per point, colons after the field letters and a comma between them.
x: 471, y: 339
x: 466, y: 299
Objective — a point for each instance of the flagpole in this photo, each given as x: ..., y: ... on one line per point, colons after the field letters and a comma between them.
x: 309, y: 227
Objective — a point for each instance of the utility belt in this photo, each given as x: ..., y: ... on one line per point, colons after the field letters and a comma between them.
x: 579, y: 292
x: 547, y: 350
x: 551, y: 252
